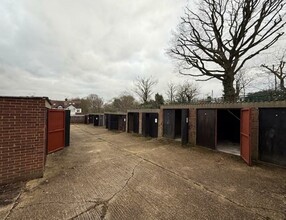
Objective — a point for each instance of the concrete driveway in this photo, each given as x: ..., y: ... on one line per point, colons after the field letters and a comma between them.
x: 109, y: 175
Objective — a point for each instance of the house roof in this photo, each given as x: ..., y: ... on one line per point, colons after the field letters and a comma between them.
x: 65, y: 104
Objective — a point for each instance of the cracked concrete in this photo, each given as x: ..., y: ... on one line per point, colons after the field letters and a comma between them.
x: 104, y: 203
x: 111, y: 175
x: 14, y: 204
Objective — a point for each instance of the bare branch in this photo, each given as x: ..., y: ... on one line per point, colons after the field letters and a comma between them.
x: 278, y: 71
x: 223, y: 35
x: 143, y: 88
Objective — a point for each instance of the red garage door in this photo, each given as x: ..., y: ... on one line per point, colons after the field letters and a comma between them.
x: 245, y: 146
x: 56, y: 130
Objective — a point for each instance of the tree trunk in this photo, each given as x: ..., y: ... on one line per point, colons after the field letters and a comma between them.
x: 282, y: 86
x: 228, y: 89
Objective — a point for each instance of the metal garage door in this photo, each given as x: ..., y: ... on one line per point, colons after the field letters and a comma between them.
x: 150, y: 124
x: 56, y: 130
x: 185, y: 126
x: 169, y: 123
x: 272, y: 138
x: 67, y: 127
x: 130, y: 122
x: 206, y: 127
x: 245, y: 147
x: 96, y: 120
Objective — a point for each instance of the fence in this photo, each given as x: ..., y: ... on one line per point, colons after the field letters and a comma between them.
x: 77, y: 119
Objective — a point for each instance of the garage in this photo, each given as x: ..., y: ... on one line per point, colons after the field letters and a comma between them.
x: 133, y: 122
x: 86, y: 119
x: 106, y: 120
x: 206, y: 128
x: 115, y: 121
x: 98, y: 119
x: 226, y: 130
x: 272, y: 138
x: 176, y: 124
x: 150, y: 124
x: 90, y: 118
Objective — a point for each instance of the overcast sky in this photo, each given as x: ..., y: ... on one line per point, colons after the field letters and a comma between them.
x: 64, y: 49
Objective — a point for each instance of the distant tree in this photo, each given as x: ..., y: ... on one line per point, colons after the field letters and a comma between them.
x: 143, y: 88
x: 159, y: 99
x: 266, y: 95
x: 121, y: 103
x: 186, y: 92
x: 279, y: 71
x: 223, y: 35
x: 242, y: 82
x: 124, y: 102
x: 84, y: 105
x: 108, y: 107
x: 157, y: 102
x: 171, y: 91
x: 95, y: 103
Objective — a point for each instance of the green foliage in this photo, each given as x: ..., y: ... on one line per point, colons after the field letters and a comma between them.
x: 266, y: 95
x: 121, y: 104
x: 159, y: 100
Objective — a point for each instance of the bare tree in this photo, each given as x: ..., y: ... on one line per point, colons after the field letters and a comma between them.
x: 95, y: 103
x: 242, y: 81
x: 223, y: 35
x: 143, y: 88
x: 278, y: 71
x: 186, y: 92
x: 172, y: 89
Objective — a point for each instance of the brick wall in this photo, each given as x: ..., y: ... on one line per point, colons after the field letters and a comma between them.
x: 160, y: 123
x: 22, y: 139
x: 192, y: 126
x: 254, y: 134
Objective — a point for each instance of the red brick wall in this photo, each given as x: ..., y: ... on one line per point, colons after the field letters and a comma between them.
x: 254, y: 135
x: 192, y: 126
x: 22, y: 139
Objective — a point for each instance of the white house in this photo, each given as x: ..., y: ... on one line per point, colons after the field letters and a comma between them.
x: 73, y: 109
x: 73, y: 106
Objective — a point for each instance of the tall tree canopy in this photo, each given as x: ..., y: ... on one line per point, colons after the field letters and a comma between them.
x: 223, y: 35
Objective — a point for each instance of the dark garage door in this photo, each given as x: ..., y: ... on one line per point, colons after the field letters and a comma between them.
x: 101, y: 118
x: 150, y: 124
x: 121, y: 122
x: 206, y: 128
x: 67, y: 127
x: 106, y: 116
x: 96, y: 120
x: 90, y: 118
x: 185, y: 126
x: 112, y: 122
x: 272, y: 135
x: 169, y: 123
x: 133, y: 122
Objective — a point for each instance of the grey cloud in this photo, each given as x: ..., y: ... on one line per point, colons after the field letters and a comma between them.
x: 73, y: 48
